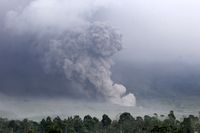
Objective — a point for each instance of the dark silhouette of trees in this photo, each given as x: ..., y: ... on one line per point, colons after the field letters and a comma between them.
x: 126, y: 123
x: 54, y: 131
x: 106, y: 121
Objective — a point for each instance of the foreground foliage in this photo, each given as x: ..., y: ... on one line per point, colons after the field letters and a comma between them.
x: 125, y: 124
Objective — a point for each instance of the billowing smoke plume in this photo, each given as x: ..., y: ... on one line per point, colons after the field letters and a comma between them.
x: 74, y: 45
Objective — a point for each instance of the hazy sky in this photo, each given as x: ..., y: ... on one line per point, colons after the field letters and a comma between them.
x: 159, y: 59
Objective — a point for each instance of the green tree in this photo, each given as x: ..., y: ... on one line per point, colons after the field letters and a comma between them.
x: 126, y: 122
x: 54, y: 131
x: 106, y: 122
x: 89, y: 123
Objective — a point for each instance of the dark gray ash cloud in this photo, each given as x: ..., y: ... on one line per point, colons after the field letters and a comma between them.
x: 159, y: 60
x: 67, y: 42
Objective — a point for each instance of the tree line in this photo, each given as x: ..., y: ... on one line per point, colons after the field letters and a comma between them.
x: 126, y: 123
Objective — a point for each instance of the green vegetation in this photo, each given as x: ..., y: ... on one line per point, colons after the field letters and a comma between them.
x: 125, y: 124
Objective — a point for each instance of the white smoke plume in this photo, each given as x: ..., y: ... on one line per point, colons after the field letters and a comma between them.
x: 72, y: 44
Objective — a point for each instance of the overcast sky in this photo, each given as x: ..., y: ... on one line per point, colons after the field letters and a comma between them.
x: 159, y: 59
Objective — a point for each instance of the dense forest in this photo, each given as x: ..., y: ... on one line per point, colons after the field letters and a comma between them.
x: 126, y: 123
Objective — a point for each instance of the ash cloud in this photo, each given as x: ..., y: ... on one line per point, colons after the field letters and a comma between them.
x: 159, y: 36
x: 68, y: 42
